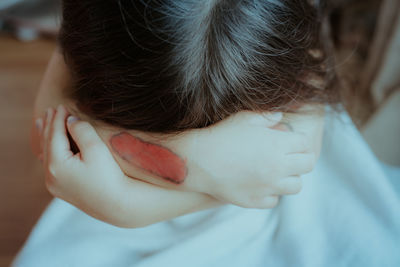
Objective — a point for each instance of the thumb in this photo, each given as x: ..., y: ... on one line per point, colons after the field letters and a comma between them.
x: 86, y: 138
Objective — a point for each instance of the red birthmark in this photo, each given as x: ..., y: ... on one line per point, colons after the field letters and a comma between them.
x: 150, y: 157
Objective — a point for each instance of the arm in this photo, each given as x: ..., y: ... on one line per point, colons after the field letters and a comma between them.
x: 92, y: 181
x: 115, y: 212
x: 208, y: 154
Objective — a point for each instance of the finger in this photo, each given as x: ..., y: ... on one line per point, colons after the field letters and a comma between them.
x: 39, y: 125
x: 267, y: 119
x: 269, y: 202
x: 49, y: 116
x: 298, y: 143
x: 283, y: 126
x: 41, y: 136
x: 39, y: 132
x: 289, y: 185
x: 86, y: 138
x: 288, y: 142
x: 59, y: 145
x: 260, y: 201
x: 300, y: 163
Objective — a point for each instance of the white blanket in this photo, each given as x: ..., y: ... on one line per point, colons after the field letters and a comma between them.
x: 348, y: 214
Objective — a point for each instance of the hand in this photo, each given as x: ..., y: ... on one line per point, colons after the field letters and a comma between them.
x: 92, y: 181
x: 77, y: 178
x: 241, y: 160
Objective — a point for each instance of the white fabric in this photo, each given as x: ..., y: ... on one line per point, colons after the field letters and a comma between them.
x: 346, y: 215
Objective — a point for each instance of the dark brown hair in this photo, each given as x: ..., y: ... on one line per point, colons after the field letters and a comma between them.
x: 170, y: 65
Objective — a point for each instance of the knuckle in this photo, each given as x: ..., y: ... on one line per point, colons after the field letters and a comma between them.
x: 271, y: 202
x: 52, y: 168
x: 304, y: 144
x: 296, y: 187
x: 310, y: 164
x: 262, y: 202
x: 253, y: 202
x: 50, y: 184
x: 52, y: 171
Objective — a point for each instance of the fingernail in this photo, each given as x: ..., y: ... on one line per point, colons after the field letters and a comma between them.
x: 72, y: 119
x: 257, y: 119
x: 39, y: 124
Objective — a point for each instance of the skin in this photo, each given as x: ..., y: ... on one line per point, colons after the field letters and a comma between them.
x: 213, y: 179
x: 50, y: 95
x: 153, y: 158
x: 92, y: 181
x: 284, y: 126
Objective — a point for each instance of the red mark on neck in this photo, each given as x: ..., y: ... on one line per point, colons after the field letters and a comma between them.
x: 150, y: 157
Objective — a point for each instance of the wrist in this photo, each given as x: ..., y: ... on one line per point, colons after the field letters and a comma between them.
x: 199, y: 180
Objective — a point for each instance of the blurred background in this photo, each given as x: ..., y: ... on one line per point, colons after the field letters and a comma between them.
x: 366, y: 36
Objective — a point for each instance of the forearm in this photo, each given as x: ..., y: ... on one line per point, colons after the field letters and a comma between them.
x: 140, y: 204
x: 223, y: 151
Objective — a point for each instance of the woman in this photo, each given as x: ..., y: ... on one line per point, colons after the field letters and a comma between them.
x: 149, y: 76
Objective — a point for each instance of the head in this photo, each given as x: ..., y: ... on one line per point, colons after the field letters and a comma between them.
x: 170, y: 65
